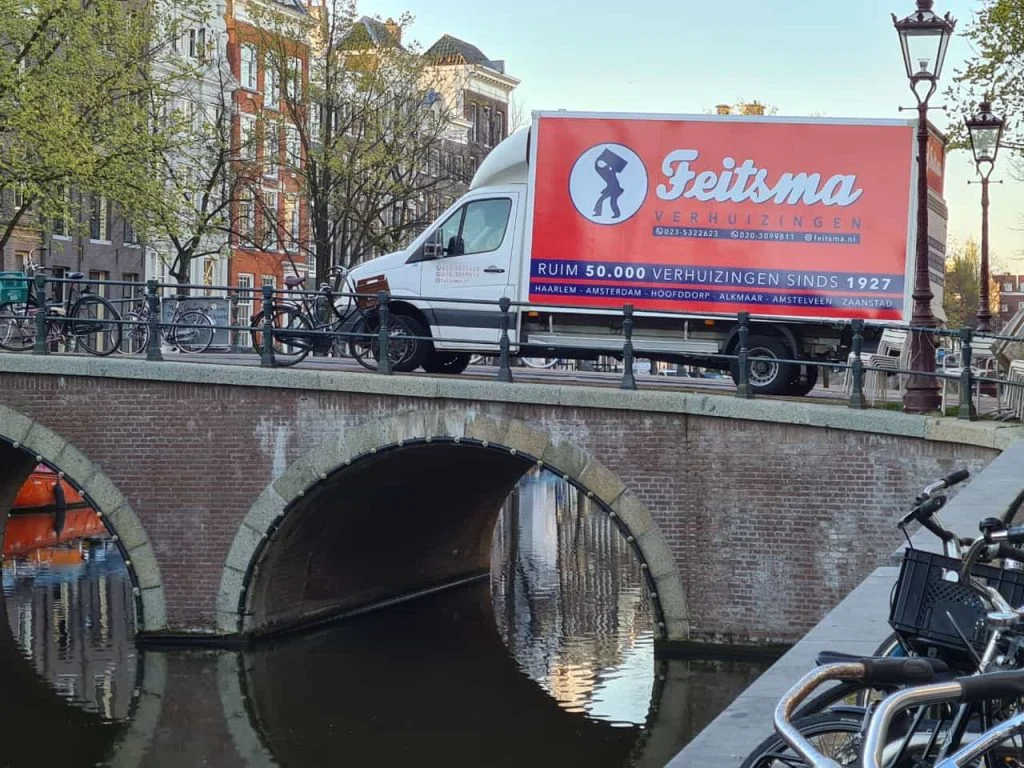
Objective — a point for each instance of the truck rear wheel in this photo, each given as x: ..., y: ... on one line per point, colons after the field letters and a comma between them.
x: 805, y: 380
x: 766, y: 377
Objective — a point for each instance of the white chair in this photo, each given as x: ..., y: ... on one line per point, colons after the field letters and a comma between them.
x: 952, y: 370
x: 1014, y: 389
x: 876, y: 380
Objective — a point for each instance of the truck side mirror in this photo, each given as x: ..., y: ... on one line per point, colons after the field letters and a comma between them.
x: 433, y: 248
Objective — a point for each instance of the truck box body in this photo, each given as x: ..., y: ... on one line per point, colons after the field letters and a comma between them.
x: 784, y: 218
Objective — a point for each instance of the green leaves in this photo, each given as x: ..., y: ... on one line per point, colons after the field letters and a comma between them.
x: 995, y: 68
x: 76, y: 81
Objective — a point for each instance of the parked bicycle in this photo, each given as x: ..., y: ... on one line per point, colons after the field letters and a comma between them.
x: 80, y: 320
x: 331, y: 320
x: 952, y: 618
x: 190, y: 329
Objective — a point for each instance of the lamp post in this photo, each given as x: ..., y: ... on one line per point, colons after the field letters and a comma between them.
x: 924, y: 38
x: 985, y: 130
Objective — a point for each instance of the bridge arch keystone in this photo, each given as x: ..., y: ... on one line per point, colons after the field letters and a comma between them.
x: 45, y: 445
x: 513, y: 436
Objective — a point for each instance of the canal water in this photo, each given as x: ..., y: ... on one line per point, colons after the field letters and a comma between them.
x: 551, y: 663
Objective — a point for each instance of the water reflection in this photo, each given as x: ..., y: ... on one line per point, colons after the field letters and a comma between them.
x: 571, y: 602
x: 551, y: 664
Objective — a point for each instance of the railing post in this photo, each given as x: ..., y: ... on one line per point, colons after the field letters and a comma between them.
x: 384, y: 338
x: 504, y: 366
x: 41, y: 345
x: 857, y: 399
x: 742, y: 363
x: 234, y: 347
x: 967, y: 409
x: 628, y: 379
x: 267, y: 347
x: 153, y: 322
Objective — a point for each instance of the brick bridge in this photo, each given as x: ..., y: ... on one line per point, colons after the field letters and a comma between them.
x: 249, y: 501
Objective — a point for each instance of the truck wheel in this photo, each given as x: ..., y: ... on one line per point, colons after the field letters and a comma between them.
x: 767, y: 378
x: 418, y: 349
x: 446, y: 362
x: 804, y: 383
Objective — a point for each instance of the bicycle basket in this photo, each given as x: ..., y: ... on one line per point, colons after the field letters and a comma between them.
x: 929, y: 591
x: 370, y: 285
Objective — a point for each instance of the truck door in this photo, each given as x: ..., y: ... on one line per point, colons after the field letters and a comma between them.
x: 474, y: 253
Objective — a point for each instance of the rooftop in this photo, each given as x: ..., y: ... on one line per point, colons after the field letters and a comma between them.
x: 452, y: 50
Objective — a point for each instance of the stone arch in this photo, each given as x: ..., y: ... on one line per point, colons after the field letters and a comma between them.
x: 516, y: 438
x: 45, y: 445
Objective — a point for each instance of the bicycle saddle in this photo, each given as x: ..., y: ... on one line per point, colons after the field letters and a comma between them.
x: 293, y: 281
x: 75, y: 275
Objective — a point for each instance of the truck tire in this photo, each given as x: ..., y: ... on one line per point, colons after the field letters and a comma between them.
x: 446, y: 362
x: 767, y: 378
x: 803, y: 383
x: 419, y: 348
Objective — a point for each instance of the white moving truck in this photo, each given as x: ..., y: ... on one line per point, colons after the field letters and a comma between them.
x: 804, y: 223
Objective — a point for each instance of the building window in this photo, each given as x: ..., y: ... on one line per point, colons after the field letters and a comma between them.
x: 131, y: 237
x: 250, y: 68
x: 100, y: 278
x: 209, y: 273
x: 1004, y: 308
x: 315, y: 116
x: 1020, y: 305
x: 243, y: 309
x: 271, y: 151
x: 197, y: 43
x: 434, y: 163
x: 474, y: 117
x: 99, y: 219
x: 60, y: 223
x: 246, y: 219
x: 294, y: 213
x: 485, y: 127
x: 1008, y: 287
x: 499, y: 126
x: 293, y: 147
x: 134, y: 290
x: 248, y: 137
x: 59, y: 273
x: 294, y: 85
x: 269, y: 240
x: 270, y: 280
x: 271, y: 82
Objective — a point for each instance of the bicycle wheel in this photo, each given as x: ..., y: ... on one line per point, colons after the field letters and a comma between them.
x: 94, y: 325
x: 17, y: 327
x: 365, y: 347
x: 834, y: 735
x: 135, y: 335
x: 291, y: 339
x: 193, y: 331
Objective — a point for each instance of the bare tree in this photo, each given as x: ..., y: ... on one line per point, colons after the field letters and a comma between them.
x: 369, y: 134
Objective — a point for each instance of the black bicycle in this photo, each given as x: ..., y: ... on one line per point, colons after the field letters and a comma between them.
x: 332, y: 321
x: 80, y: 320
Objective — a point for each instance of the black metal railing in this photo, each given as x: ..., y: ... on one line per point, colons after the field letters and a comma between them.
x: 50, y: 315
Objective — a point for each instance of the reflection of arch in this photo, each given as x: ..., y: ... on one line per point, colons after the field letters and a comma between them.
x: 25, y: 443
x: 134, y: 742
x: 512, y: 441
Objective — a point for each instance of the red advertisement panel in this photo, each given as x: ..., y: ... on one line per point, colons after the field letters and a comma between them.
x: 936, y: 163
x: 781, y: 219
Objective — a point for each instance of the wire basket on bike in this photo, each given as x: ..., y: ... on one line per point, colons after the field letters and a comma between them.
x: 929, y: 603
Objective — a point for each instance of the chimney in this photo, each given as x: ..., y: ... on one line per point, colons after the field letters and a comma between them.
x: 394, y: 31
x: 723, y: 109
x: 753, y: 108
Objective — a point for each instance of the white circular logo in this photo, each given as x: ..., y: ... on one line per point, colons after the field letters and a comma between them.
x: 608, y: 184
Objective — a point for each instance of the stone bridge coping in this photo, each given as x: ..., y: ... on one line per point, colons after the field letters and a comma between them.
x: 994, y: 435
x: 858, y: 624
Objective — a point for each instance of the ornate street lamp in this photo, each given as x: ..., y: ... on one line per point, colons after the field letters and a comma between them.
x: 924, y: 38
x: 985, y: 130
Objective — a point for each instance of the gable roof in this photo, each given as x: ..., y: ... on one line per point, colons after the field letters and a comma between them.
x: 371, y: 31
x: 451, y: 50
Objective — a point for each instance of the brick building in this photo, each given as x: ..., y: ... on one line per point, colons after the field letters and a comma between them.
x: 262, y: 253
x: 1011, y: 296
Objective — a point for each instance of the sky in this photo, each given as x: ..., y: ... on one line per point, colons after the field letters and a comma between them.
x: 840, y: 59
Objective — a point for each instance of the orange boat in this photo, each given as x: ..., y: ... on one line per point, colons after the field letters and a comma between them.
x: 45, y: 490
x: 35, y: 530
